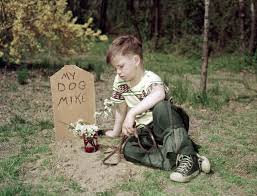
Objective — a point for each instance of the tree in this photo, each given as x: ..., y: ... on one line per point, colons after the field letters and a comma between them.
x: 103, y: 16
x: 156, y: 8
x: 242, y: 23
x: 133, y: 18
x: 253, y: 28
x: 204, y: 66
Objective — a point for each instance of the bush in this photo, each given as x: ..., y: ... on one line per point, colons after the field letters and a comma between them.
x: 22, y: 75
x: 42, y: 27
x: 189, y: 45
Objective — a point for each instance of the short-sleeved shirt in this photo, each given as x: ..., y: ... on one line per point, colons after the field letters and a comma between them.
x: 133, y: 95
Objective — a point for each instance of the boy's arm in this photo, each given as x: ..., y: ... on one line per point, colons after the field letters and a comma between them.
x: 157, y: 94
x: 120, y: 114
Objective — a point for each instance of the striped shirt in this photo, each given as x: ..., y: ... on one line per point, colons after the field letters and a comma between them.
x: 122, y: 92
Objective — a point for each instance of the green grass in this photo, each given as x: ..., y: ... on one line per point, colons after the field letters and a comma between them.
x: 169, y: 65
x: 233, y: 62
x: 225, y: 128
x: 12, y: 168
x: 20, y: 127
x: 149, y: 185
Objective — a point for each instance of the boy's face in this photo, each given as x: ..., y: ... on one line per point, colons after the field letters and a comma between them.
x: 126, y: 66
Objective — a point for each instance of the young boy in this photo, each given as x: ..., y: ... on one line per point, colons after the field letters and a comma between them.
x: 141, y: 99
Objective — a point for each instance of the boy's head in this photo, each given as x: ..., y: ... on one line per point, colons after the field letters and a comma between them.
x: 125, y: 54
x: 124, y: 46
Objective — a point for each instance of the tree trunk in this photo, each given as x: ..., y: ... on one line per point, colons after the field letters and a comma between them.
x: 2, y: 12
x: 131, y: 8
x: 156, y: 22
x: 253, y: 30
x: 174, y: 30
x: 204, y: 66
x: 242, y: 31
x: 103, y: 15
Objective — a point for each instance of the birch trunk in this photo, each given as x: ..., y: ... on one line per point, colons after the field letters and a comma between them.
x: 204, y: 66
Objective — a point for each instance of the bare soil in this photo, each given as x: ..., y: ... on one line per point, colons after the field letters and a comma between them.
x: 33, y: 103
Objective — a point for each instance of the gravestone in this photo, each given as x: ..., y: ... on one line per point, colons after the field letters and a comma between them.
x: 73, y: 97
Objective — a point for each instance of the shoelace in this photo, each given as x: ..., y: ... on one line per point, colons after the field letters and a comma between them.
x: 184, y: 163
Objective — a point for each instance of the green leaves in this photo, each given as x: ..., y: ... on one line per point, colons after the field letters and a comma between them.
x: 43, y: 27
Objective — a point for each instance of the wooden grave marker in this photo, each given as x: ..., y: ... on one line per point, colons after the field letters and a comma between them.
x: 73, y: 97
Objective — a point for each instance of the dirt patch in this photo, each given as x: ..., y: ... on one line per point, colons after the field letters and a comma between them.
x: 9, y: 148
x: 69, y: 159
x: 87, y: 168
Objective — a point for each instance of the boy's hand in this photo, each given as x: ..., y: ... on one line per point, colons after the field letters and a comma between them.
x: 128, y: 124
x: 112, y: 133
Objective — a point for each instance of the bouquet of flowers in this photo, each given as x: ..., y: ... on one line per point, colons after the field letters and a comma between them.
x: 89, y: 131
x: 81, y: 128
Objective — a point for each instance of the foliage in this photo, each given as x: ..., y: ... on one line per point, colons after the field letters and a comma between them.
x: 180, y: 23
x: 22, y: 75
x: 44, y: 28
x: 188, y: 45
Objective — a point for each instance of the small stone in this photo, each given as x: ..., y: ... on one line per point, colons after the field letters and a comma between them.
x: 44, y: 131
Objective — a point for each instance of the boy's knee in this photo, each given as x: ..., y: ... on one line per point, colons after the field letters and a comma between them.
x: 165, y: 115
x: 160, y: 108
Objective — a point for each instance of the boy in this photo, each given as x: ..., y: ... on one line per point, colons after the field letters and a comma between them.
x: 141, y: 102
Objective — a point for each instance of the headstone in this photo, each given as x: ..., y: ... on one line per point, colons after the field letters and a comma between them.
x: 73, y: 97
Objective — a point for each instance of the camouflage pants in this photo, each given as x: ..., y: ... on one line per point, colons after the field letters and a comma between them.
x: 170, y: 135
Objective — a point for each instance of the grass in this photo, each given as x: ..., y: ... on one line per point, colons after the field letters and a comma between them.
x: 225, y: 127
x: 14, y: 167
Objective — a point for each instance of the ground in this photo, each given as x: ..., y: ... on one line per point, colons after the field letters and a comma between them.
x: 32, y: 162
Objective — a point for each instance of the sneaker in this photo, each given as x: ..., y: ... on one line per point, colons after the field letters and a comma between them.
x: 204, y: 164
x: 187, y: 168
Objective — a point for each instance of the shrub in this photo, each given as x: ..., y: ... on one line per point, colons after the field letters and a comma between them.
x: 22, y: 75
x: 189, y: 45
x: 43, y: 27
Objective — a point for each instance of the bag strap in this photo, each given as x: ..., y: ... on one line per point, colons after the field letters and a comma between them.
x: 116, y: 150
x: 123, y: 141
x: 152, y: 137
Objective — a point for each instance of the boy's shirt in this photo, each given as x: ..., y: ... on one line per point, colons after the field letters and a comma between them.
x: 133, y: 95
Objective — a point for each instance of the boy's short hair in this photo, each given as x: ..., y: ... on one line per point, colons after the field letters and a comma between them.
x: 124, y: 45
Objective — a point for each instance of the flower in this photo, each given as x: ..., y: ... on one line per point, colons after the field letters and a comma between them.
x: 107, y: 111
x: 81, y: 127
x: 103, y: 38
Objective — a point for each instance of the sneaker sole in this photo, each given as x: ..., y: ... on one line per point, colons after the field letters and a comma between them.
x: 177, y: 177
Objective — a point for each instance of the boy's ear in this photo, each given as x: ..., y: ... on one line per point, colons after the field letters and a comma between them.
x: 136, y: 60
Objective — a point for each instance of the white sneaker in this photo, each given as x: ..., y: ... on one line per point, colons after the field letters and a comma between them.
x: 204, y: 164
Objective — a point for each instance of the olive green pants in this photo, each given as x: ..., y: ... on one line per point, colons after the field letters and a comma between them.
x: 170, y: 135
